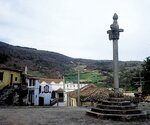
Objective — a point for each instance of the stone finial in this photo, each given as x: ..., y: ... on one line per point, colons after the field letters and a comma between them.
x: 115, y: 17
x: 115, y: 31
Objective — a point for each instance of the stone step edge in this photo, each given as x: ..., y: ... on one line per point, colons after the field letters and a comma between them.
x: 108, y: 101
x: 116, y: 109
x: 115, y: 103
x: 116, y: 99
x: 118, y: 106
x: 128, y: 117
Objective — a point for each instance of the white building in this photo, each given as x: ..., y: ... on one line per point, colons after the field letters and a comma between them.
x: 60, y: 88
x: 38, y: 93
x: 57, y: 86
x: 73, y: 86
x: 43, y: 91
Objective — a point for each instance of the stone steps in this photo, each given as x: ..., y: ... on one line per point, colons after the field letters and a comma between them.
x: 106, y: 102
x: 119, y: 99
x: 117, y: 108
x: 131, y: 106
x: 122, y: 117
x: 113, y: 111
x: 53, y: 102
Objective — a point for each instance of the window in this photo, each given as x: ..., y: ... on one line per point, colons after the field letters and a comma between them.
x: 16, y: 78
x: 1, y: 76
x: 30, y: 82
x: 40, y: 89
x: 46, y: 89
x: 33, y: 82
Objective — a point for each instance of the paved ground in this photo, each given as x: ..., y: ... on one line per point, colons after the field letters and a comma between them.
x: 53, y: 116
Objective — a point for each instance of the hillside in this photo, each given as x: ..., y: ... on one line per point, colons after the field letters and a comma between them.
x: 49, y: 64
x: 55, y: 65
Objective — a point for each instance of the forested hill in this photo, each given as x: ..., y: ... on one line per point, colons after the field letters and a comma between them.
x: 50, y: 64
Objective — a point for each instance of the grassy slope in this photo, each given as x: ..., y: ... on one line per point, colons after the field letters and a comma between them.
x: 91, y: 77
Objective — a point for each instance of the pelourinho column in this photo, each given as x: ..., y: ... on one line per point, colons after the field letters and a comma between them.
x: 114, y: 35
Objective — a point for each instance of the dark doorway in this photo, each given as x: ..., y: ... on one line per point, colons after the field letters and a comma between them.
x: 41, y: 101
x: 11, y: 79
x: 61, y: 97
x: 53, y: 95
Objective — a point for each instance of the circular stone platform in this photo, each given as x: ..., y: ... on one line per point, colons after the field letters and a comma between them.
x: 117, y: 108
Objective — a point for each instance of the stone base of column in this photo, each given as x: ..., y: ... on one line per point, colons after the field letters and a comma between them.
x: 116, y: 94
x: 117, y: 107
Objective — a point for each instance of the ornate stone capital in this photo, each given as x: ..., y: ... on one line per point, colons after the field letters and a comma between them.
x: 115, y: 31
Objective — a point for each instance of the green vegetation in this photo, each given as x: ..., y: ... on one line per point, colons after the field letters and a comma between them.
x: 90, y: 77
x: 146, y: 74
x: 36, y: 73
x: 105, y: 78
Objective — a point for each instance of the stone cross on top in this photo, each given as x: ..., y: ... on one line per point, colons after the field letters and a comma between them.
x: 114, y: 32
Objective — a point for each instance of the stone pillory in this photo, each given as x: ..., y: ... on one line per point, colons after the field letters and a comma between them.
x: 114, y: 35
x: 115, y: 31
x: 116, y: 106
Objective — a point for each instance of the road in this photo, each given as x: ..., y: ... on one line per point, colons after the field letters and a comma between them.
x: 53, y: 116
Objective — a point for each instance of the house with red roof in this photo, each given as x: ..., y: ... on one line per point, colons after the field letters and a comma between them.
x: 88, y: 95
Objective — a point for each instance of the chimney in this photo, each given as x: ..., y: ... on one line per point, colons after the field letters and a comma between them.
x: 26, y: 70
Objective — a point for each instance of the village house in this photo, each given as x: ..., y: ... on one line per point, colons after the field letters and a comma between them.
x: 57, y: 86
x: 10, y: 86
x: 89, y: 95
x: 43, y: 91
x: 40, y: 91
x: 34, y: 90
x: 9, y: 77
x: 69, y: 87
x: 73, y: 86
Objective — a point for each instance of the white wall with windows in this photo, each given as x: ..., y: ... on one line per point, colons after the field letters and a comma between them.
x: 73, y: 86
x: 40, y: 93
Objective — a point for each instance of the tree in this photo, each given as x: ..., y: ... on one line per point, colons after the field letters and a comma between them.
x: 126, y: 78
x: 146, y: 74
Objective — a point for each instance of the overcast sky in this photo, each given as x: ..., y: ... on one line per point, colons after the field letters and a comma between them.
x: 77, y: 28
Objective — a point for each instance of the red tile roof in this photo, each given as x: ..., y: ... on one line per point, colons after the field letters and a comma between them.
x: 98, y: 94
x: 45, y: 79
x: 51, y: 80
x: 91, y: 93
x: 84, y: 91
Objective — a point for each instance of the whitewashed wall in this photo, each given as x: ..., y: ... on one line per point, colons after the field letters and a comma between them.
x: 46, y: 95
x: 67, y: 87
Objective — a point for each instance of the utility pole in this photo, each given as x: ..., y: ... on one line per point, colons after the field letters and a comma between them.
x: 114, y: 35
x: 78, y: 86
x: 139, y: 82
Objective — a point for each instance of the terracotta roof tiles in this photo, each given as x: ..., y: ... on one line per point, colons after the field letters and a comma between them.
x: 44, y: 79
x: 84, y: 91
x: 91, y: 93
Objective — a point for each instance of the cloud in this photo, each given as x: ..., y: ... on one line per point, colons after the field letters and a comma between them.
x: 77, y: 28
